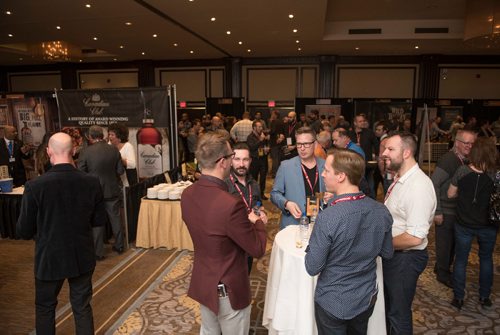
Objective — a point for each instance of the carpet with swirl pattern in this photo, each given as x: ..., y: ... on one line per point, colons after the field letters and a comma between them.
x: 166, y: 309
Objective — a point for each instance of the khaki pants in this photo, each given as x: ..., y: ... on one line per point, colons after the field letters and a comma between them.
x: 228, y: 321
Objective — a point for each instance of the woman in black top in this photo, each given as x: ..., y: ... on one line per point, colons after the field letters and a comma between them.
x: 472, y: 185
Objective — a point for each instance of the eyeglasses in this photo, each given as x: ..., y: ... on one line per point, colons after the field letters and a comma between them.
x: 465, y: 143
x: 231, y: 155
x: 306, y: 145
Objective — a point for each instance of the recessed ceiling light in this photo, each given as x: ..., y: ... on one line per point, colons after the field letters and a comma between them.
x: 295, y: 30
x: 357, y: 48
x: 88, y: 5
x: 416, y: 46
x: 115, y: 59
x: 143, y: 53
x: 128, y: 23
x: 228, y: 32
x: 175, y: 44
x: 121, y: 46
x: 297, y: 41
x: 155, y: 35
x: 191, y: 0
x: 10, y: 35
x: 95, y: 38
x: 8, y: 12
x: 58, y: 27
x: 21, y: 58
x: 290, y: 16
x: 80, y: 60
x: 240, y: 42
x: 213, y: 19
x: 299, y: 49
x: 191, y: 52
x: 249, y: 50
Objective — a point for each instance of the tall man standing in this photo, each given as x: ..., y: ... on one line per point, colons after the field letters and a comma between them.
x: 223, y: 233
x: 258, y: 142
x: 104, y: 161
x: 297, y: 179
x: 59, y: 210
x: 445, y: 217
x: 412, y: 201
x: 353, y: 225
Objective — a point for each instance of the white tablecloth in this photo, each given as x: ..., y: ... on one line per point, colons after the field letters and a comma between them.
x: 289, y: 304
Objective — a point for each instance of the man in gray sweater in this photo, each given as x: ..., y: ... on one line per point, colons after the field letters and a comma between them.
x: 445, y: 216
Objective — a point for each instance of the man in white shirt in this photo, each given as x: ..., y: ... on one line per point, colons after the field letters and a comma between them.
x: 412, y: 202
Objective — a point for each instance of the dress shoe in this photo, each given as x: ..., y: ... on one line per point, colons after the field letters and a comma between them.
x: 99, y: 258
x: 448, y: 282
x: 118, y: 250
x: 458, y: 303
x: 263, y: 197
x: 485, y: 302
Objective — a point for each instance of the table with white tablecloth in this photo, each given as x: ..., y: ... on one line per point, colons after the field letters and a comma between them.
x: 160, y: 225
x: 289, y: 303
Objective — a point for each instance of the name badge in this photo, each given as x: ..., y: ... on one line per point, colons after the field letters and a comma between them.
x: 288, y: 141
x: 12, y: 159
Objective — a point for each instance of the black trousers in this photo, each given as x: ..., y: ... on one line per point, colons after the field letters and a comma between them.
x: 445, y: 247
x: 258, y: 170
x: 330, y: 325
x: 80, y: 294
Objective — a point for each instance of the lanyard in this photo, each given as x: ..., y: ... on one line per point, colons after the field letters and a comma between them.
x: 308, y: 180
x: 358, y: 138
x: 349, y: 198
x: 290, y: 128
x: 390, y: 188
x: 459, y: 157
x: 241, y: 193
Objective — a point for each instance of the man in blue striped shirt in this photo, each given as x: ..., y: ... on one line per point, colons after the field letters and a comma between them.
x: 346, y: 240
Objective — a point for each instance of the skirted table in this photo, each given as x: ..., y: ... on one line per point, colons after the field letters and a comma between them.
x: 160, y: 225
x: 10, y: 208
x: 289, y: 303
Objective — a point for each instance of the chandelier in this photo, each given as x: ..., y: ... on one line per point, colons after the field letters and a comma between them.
x: 482, y: 23
x: 55, y: 50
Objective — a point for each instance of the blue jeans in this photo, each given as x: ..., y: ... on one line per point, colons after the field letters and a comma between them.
x: 486, y: 238
x: 401, y: 274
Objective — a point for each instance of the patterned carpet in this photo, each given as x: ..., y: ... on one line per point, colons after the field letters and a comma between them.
x: 166, y: 309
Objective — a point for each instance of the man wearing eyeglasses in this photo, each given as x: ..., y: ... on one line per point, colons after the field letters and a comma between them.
x: 223, y: 233
x: 298, y: 178
x: 445, y: 216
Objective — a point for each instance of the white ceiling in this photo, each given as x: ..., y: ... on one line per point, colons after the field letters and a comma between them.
x: 262, y: 25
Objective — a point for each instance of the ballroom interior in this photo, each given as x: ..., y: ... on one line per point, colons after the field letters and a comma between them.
x: 283, y: 54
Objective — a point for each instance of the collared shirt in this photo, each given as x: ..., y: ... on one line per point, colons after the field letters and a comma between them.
x: 412, y: 203
x: 241, y: 130
x: 245, y: 189
x: 344, y: 245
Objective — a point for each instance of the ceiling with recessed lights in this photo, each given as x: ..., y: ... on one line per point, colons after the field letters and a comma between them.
x: 126, y: 30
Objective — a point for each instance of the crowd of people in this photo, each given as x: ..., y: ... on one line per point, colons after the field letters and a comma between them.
x: 310, y: 155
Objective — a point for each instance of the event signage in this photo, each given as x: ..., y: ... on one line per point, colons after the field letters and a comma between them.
x: 85, y: 108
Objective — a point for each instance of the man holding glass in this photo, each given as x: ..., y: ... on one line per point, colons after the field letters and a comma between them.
x: 344, y: 245
x: 298, y: 179
x: 258, y: 142
x: 223, y: 233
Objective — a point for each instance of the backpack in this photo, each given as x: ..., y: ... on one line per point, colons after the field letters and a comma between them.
x: 494, y: 207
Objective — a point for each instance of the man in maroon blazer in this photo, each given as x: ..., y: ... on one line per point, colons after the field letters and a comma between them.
x: 223, y: 234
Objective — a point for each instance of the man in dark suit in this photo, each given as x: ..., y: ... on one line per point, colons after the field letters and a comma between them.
x: 223, y: 234
x: 12, y: 152
x: 104, y: 161
x: 59, y: 210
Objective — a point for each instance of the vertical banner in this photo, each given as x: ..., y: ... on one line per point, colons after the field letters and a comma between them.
x: 30, y: 120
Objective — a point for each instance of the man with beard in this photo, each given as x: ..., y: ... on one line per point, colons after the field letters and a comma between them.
x: 412, y: 201
x: 445, y: 217
x: 241, y: 183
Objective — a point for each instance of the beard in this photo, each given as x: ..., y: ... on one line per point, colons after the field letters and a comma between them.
x: 393, y: 165
x: 240, y: 172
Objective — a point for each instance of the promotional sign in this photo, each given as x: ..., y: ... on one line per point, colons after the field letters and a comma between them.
x: 30, y: 122
x: 85, y: 108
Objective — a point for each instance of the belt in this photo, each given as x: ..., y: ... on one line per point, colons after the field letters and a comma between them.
x: 410, y: 250
x: 221, y: 291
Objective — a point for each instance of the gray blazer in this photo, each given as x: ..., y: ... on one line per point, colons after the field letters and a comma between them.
x: 104, y: 161
x: 289, y: 185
